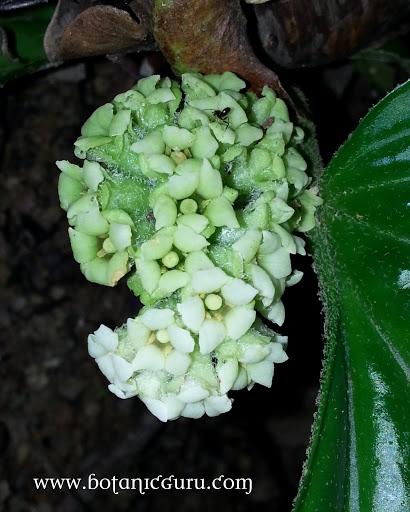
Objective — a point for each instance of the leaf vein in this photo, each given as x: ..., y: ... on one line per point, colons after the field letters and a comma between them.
x: 379, y: 144
x: 387, y: 183
x: 375, y: 229
x: 366, y: 304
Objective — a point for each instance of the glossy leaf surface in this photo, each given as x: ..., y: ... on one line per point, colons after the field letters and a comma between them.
x: 358, y: 459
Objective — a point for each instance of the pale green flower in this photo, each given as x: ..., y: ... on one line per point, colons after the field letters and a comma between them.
x: 194, y: 191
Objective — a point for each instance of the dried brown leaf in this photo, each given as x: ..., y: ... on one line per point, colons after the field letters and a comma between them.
x: 65, y: 12
x: 209, y: 36
x: 296, y: 33
x: 84, y: 31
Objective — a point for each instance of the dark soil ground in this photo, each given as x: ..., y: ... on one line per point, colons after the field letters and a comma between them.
x: 57, y: 418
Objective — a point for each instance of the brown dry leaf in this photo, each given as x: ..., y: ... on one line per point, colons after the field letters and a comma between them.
x: 97, y: 30
x: 65, y: 12
x: 296, y: 33
x: 210, y: 37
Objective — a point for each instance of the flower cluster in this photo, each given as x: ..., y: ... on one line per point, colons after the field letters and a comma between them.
x: 172, y: 372
x: 99, y: 238
x: 195, y: 190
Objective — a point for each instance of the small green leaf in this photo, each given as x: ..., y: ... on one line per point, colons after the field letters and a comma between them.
x: 25, y: 32
x: 359, y: 449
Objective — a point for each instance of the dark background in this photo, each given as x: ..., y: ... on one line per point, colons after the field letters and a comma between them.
x: 57, y: 418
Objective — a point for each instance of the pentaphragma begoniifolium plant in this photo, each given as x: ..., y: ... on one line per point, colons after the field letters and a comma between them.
x: 193, y: 191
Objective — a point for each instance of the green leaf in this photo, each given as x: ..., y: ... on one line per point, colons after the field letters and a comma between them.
x: 379, y: 66
x: 359, y: 451
x: 25, y: 32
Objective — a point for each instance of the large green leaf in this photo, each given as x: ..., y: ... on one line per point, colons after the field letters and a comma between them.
x: 358, y: 458
x: 25, y: 32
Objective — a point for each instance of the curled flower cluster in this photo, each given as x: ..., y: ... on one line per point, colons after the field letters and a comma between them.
x: 174, y: 375
x: 195, y: 191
